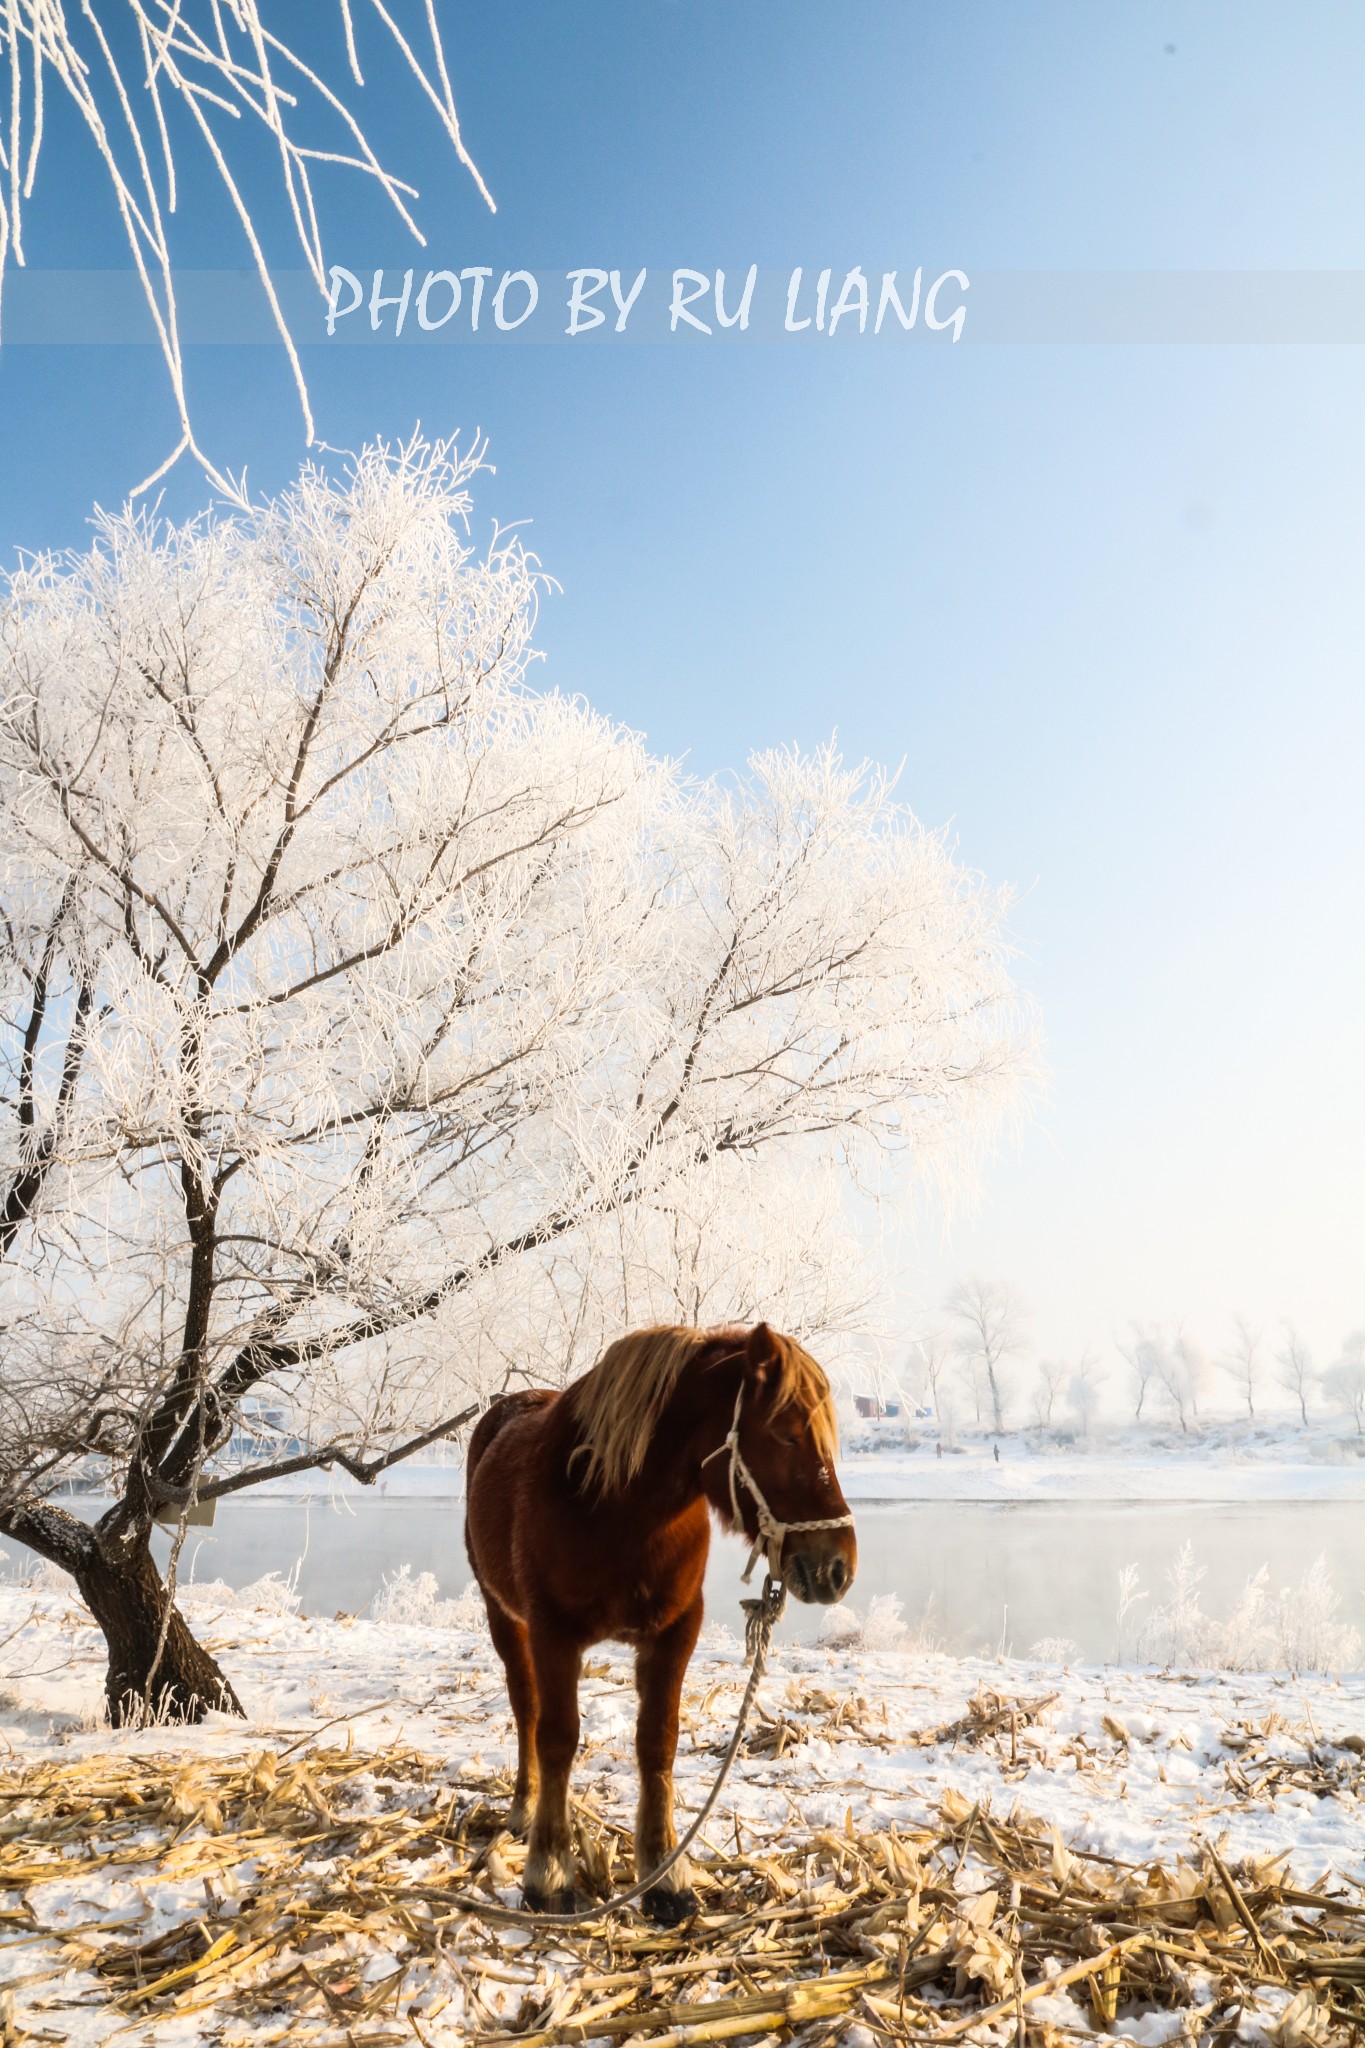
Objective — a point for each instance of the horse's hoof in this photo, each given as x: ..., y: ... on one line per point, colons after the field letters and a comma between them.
x: 669, y: 1908
x: 564, y: 1901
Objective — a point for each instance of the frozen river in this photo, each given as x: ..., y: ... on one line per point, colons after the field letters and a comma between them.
x: 996, y: 1574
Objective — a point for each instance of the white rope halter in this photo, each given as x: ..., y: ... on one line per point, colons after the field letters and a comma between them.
x: 772, y: 1533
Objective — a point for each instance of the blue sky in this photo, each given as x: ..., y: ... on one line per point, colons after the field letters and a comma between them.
x: 1104, y: 603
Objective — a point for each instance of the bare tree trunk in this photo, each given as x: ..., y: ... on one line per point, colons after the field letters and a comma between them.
x: 174, y: 1679
x: 995, y: 1400
x: 124, y: 1591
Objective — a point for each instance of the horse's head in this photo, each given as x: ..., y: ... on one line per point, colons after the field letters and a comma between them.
x: 774, y: 1473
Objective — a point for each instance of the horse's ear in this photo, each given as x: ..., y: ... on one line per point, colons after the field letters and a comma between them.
x: 761, y: 1352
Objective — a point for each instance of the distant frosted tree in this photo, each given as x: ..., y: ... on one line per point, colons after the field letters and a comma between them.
x: 1344, y: 1382
x: 950, y: 1410
x: 929, y: 1368
x: 1051, y: 1377
x: 1171, y: 1362
x: 990, y: 1334
x: 971, y: 1385
x: 1242, y: 1363
x: 1294, y: 1368
x: 1141, y: 1354
x: 1084, y: 1391
x: 378, y: 1033
x: 1186, y: 1377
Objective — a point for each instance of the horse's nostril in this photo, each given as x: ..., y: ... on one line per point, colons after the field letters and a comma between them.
x: 838, y: 1575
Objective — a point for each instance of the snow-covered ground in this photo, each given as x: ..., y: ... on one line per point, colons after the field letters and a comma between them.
x: 392, y: 1681
x: 1132, y: 1765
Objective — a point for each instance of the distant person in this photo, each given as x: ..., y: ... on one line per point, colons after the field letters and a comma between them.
x: 997, y: 1454
x: 938, y: 1449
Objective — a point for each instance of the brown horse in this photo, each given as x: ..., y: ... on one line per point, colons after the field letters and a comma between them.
x: 589, y: 1517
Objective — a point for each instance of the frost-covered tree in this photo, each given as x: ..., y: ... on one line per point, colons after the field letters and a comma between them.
x: 1141, y: 1355
x: 1051, y: 1375
x: 990, y: 1335
x: 1344, y: 1382
x: 379, y: 1033
x: 241, y: 89
x: 1084, y: 1390
x: 1242, y: 1362
x: 1184, y: 1375
x: 1173, y: 1363
x: 929, y: 1368
x: 1294, y: 1368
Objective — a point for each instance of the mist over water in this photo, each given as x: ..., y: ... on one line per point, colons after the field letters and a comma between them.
x: 987, y: 1575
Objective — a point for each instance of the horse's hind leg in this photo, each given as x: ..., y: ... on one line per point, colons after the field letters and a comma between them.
x: 549, y: 1883
x: 659, y: 1667
x: 513, y: 1645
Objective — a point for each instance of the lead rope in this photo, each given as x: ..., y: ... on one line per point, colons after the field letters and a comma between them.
x: 760, y: 1618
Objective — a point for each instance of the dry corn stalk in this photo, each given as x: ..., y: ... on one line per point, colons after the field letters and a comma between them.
x: 317, y: 1865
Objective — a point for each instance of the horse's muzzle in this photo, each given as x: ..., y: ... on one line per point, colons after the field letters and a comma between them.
x: 818, y: 1578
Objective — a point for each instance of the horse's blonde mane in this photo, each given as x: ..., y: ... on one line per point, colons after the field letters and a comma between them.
x: 618, y: 1403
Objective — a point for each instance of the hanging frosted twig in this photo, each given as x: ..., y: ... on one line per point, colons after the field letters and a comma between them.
x: 126, y: 64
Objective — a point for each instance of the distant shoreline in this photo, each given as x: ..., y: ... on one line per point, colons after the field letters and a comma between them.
x: 1089, y: 1484
x: 1231, y: 1464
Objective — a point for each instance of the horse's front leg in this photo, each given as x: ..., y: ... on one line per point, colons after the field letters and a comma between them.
x: 549, y: 1883
x: 659, y: 1666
